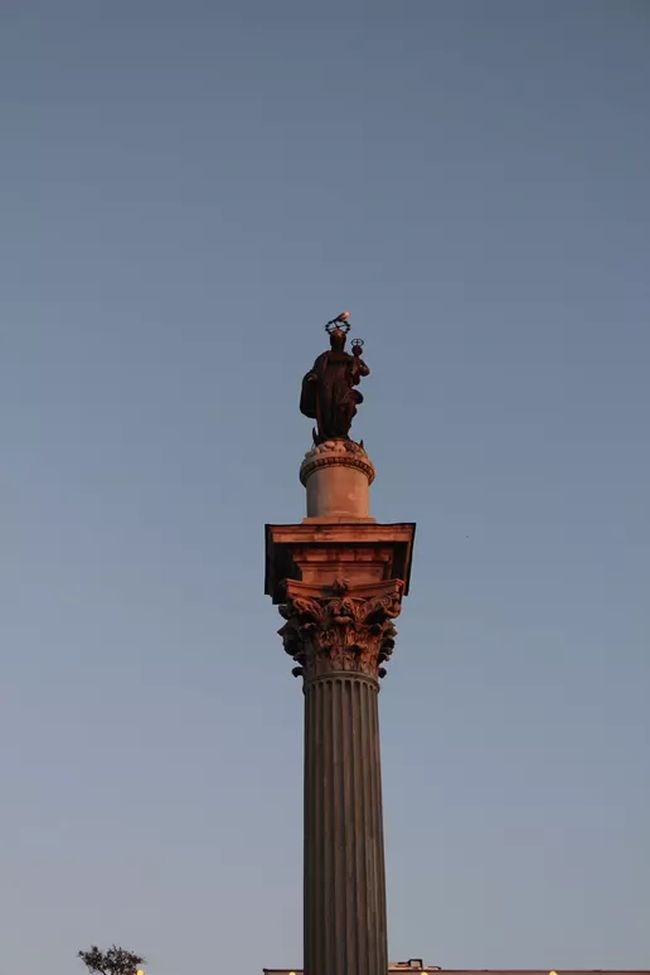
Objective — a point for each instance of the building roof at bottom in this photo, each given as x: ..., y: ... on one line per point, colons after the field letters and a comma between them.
x: 415, y: 965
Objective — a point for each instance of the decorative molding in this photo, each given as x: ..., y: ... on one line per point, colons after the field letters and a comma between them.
x: 345, y: 453
x: 340, y: 628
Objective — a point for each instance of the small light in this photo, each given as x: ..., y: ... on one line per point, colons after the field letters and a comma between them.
x: 552, y: 973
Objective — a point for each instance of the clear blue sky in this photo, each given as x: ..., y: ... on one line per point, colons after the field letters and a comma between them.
x: 187, y: 191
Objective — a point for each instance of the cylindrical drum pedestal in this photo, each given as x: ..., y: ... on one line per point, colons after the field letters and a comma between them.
x: 344, y: 881
x: 337, y: 475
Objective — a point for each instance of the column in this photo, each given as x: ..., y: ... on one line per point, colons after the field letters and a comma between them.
x: 338, y: 579
x: 339, y: 635
x: 344, y: 885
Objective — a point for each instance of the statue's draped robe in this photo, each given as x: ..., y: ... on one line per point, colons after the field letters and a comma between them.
x: 328, y: 395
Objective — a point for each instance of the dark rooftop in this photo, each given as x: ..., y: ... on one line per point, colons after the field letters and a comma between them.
x: 417, y: 965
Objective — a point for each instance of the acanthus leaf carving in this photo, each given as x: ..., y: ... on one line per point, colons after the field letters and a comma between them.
x: 342, y: 628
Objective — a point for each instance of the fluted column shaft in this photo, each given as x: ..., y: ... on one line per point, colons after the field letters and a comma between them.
x: 344, y: 881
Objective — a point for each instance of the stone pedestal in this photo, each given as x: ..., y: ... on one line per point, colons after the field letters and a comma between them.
x: 339, y: 578
x: 337, y: 475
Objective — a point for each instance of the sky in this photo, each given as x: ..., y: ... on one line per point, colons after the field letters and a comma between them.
x: 188, y: 191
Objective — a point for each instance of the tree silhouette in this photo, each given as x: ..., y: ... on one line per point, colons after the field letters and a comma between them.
x: 114, y: 961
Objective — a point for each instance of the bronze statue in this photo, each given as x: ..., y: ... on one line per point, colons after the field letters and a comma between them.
x: 328, y: 394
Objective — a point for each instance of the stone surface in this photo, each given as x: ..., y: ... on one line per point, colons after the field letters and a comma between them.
x: 319, y: 554
x: 337, y: 475
x: 339, y: 628
x: 344, y: 885
x: 339, y: 587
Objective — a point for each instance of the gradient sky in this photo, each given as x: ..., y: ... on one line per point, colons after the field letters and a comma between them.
x: 188, y: 190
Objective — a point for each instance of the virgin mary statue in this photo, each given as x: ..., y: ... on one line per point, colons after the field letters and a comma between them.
x: 328, y: 394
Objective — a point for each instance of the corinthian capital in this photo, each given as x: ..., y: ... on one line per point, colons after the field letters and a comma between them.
x: 340, y: 627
